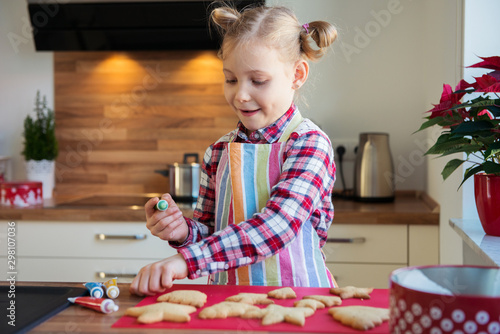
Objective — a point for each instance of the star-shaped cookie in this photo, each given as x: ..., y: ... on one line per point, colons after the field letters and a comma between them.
x: 225, y: 309
x: 250, y: 298
x: 311, y: 303
x: 360, y: 317
x: 327, y: 300
x: 186, y: 297
x: 352, y: 292
x: 161, y: 311
x: 274, y: 314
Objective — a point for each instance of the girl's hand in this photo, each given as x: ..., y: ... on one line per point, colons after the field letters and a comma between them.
x: 168, y: 225
x: 159, y: 276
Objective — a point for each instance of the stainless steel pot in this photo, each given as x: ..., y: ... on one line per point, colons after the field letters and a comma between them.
x: 184, y: 179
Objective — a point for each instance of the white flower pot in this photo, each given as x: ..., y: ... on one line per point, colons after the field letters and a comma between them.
x: 43, y: 171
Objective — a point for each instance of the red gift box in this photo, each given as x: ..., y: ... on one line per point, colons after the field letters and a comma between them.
x: 21, y: 193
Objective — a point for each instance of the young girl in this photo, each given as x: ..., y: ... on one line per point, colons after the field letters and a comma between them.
x: 265, y: 196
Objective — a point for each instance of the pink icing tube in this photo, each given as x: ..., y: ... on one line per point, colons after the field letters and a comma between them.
x: 112, y: 290
x: 97, y: 304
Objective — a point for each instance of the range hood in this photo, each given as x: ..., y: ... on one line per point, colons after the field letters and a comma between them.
x: 97, y: 25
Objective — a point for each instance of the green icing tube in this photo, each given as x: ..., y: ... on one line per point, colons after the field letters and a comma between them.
x: 162, y: 205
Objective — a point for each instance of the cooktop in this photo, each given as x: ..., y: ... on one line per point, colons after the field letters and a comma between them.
x: 108, y: 200
x: 135, y: 201
x: 28, y: 306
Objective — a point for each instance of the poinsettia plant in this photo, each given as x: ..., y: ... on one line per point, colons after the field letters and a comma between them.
x: 470, y: 122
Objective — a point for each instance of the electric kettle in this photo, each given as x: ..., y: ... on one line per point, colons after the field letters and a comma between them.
x: 374, y: 169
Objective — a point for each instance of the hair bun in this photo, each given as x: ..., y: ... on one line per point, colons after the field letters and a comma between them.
x: 224, y: 18
x: 323, y: 34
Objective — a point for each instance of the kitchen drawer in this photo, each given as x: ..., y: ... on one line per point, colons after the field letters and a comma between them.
x: 363, y: 275
x: 367, y: 243
x: 83, y: 270
x: 80, y: 240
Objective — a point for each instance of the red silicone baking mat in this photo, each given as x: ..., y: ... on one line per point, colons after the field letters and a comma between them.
x: 319, y: 322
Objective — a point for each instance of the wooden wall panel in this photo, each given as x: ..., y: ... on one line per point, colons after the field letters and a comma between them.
x: 121, y: 116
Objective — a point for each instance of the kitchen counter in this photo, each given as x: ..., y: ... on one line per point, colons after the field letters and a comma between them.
x: 485, y: 249
x: 409, y: 207
x: 78, y: 319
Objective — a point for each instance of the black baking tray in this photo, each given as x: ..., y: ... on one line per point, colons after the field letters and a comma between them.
x: 33, y: 305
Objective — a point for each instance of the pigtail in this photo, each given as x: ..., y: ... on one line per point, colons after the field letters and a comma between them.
x: 322, y: 33
x: 224, y: 18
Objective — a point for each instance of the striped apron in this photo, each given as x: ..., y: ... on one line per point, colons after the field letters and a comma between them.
x: 245, y: 177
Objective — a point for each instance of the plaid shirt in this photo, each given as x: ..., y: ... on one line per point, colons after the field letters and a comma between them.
x: 304, y: 191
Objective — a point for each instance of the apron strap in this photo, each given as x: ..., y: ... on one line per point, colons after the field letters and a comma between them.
x: 294, y: 123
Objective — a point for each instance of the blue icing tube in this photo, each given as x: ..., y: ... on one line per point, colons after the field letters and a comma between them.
x: 95, y: 289
x: 162, y: 205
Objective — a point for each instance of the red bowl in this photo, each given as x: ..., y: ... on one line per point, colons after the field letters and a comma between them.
x: 21, y: 193
x: 445, y: 299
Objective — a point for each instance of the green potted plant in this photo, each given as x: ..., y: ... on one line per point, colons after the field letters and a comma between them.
x: 470, y: 122
x: 40, y: 145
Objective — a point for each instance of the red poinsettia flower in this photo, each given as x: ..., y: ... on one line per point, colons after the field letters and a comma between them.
x: 445, y: 103
x: 449, y: 99
x: 487, y: 84
x: 493, y: 63
x: 470, y: 126
x: 495, y: 74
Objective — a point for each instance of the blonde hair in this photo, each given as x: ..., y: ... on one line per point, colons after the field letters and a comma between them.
x: 277, y: 27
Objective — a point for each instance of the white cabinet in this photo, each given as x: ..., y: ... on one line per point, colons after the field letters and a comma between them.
x: 356, y: 254
x: 84, y: 251
x: 423, y: 245
x: 365, y: 255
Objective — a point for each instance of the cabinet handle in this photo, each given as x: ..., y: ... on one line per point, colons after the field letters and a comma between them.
x: 358, y: 240
x: 102, y: 236
x: 103, y: 275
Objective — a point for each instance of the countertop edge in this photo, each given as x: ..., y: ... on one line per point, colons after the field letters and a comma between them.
x: 410, y: 208
x: 485, y: 246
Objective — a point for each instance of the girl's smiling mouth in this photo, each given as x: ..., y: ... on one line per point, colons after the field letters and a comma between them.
x: 249, y: 112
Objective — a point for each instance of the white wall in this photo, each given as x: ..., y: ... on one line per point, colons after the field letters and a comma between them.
x: 444, y: 65
x: 22, y: 73
x: 375, y: 80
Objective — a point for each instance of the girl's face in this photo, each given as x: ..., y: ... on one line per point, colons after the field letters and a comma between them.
x: 259, y: 86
